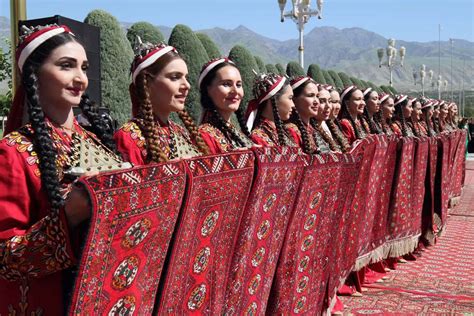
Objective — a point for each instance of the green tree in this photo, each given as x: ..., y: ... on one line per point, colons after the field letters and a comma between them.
x: 116, y: 56
x: 345, y: 79
x: 328, y: 77
x: 280, y: 68
x: 294, y: 69
x: 315, y: 72
x: 374, y: 87
x: 392, y: 90
x: 260, y: 64
x: 147, y: 32
x: 6, y: 75
x: 357, y: 82
x: 209, y: 45
x: 246, y: 64
x: 386, y: 89
x: 337, y: 81
x: 195, y: 56
x: 271, y: 68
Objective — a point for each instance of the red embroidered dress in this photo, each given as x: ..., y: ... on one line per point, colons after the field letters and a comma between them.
x: 174, y: 141
x: 265, y: 134
x: 294, y: 131
x: 219, y: 142
x: 348, y: 130
x: 35, y: 246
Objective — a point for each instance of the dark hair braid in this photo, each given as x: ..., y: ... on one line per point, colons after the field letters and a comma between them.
x: 98, y: 124
x: 41, y: 138
x: 399, y: 112
x: 336, y: 132
x: 373, y: 129
x: 193, y: 131
x: 318, y: 127
x: 217, y: 119
x: 278, y: 123
x: 295, y: 117
x: 146, y: 120
x: 242, y: 122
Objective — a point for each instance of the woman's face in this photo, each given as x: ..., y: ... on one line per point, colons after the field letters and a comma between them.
x: 335, y: 103
x: 373, y: 105
x: 453, y: 110
x: 443, y: 111
x: 388, y: 108
x: 429, y: 112
x: 169, y: 88
x: 62, y: 78
x: 416, y: 113
x: 226, y: 90
x: 436, y: 113
x: 285, y: 103
x: 307, y: 103
x: 407, y: 110
x: 356, y: 103
x: 325, y: 109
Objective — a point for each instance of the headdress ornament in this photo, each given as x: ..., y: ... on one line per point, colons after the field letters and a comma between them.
x: 400, y: 98
x: 211, y: 65
x: 265, y: 87
x: 146, y: 54
x: 32, y: 37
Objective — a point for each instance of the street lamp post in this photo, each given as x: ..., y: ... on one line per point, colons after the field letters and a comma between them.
x: 391, y: 62
x: 300, y: 14
x: 422, y: 75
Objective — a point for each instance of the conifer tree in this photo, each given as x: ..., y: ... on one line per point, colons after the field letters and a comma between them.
x: 294, y: 69
x: 192, y: 51
x: 328, y: 77
x: 260, y: 64
x: 345, y: 79
x: 116, y: 56
x: 271, y: 68
x: 280, y: 68
x: 337, y: 81
x: 147, y: 32
x: 315, y: 72
x: 209, y: 45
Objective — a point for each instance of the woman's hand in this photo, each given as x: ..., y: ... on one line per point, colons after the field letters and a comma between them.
x: 78, y: 207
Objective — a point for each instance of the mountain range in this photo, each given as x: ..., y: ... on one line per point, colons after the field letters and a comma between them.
x: 351, y: 50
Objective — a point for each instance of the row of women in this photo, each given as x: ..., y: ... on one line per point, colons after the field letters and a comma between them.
x: 43, y: 209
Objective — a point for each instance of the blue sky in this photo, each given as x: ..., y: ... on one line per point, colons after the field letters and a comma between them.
x: 412, y: 20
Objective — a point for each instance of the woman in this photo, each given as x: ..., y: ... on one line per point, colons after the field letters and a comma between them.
x: 333, y: 123
x: 452, y: 116
x: 435, y: 118
x: 442, y: 118
x: 272, y: 105
x: 41, y: 208
x: 415, y: 119
x: 306, y: 102
x: 426, y: 117
x: 403, y: 109
x: 371, y: 110
x: 159, y: 87
x: 352, y: 108
x: 221, y: 90
x: 386, y: 113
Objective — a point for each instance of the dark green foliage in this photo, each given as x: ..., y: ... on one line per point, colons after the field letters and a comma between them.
x: 280, y: 68
x: 335, y: 77
x: 386, y: 89
x: 194, y: 54
x: 271, y: 68
x: 393, y: 90
x: 260, y: 64
x: 315, y: 72
x: 6, y: 75
x: 328, y: 77
x: 357, y: 82
x: 246, y: 64
x: 294, y: 69
x: 116, y: 56
x: 374, y: 87
x: 147, y: 32
x: 345, y: 79
x: 210, y: 47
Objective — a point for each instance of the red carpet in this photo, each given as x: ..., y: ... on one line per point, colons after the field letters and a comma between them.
x: 441, y: 281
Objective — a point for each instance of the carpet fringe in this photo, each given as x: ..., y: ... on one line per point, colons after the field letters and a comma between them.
x: 403, y: 246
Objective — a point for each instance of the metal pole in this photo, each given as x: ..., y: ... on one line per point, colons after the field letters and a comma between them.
x: 391, y: 77
x: 17, y: 12
x: 439, y: 49
x: 452, y: 92
x: 422, y: 88
x: 301, y: 47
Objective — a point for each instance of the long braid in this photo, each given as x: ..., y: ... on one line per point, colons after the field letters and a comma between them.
x: 295, y: 117
x: 146, y: 120
x: 402, y: 121
x: 242, y: 122
x: 373, y: 129
x: 318, y: 127
x: 42, y: 141
x: 278, y: 123
x: 98, y: 124
x: 356, y: 129
x: 336, y: 132
x: 193, y: 131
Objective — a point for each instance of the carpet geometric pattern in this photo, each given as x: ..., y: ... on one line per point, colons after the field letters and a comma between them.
x: 440, y: 281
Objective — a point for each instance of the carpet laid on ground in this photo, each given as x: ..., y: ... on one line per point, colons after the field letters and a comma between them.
x: 440, y: 281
